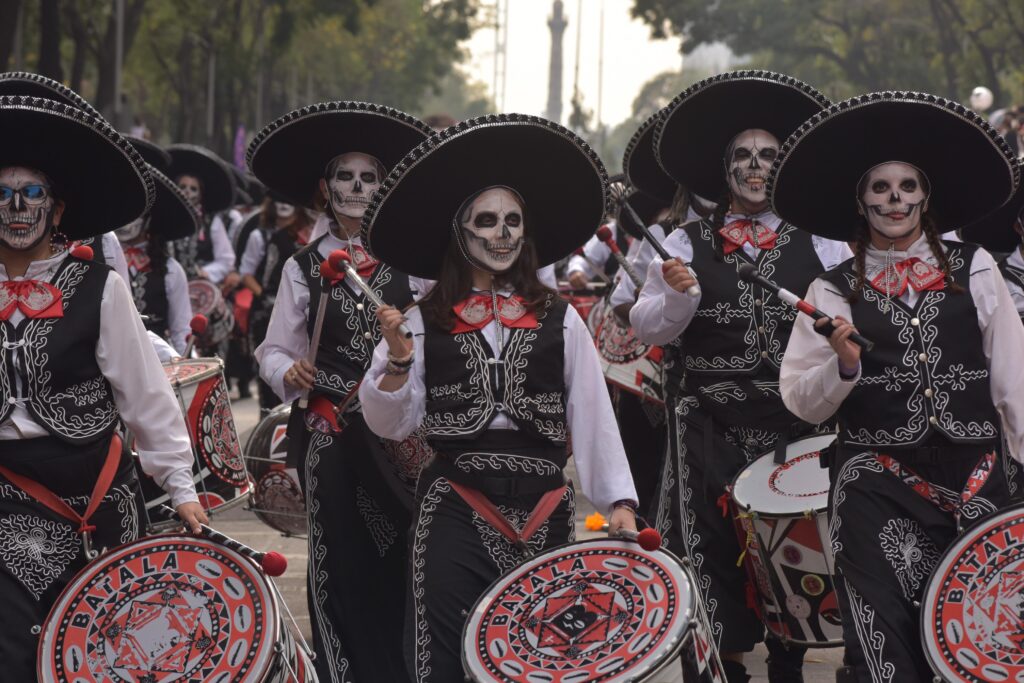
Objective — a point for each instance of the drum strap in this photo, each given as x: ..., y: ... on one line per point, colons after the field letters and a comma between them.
x: 486, y: 509
x: 56, y: 504
x: 944, y: 500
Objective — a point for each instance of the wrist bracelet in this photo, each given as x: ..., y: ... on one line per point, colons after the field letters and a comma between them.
x: 847, y: 373
x: 402, y: 361
x: 395, y: 370
x: 625, y: 503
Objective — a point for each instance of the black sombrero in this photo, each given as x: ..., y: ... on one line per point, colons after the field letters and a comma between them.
x: 645, y: 206
x: 172, y: 215
x: 995, y: 231
x: 291, y: 154
x: 409, y: 221
x: 215, y: 176
x: 641, y: 167
x: 34, y: 85
x: 691, y: 138
x: 916, y: 128
x: 152, y: 153
x: 99, y: 176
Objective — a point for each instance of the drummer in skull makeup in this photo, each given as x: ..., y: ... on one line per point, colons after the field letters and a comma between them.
x: 924, y: 414
x: 499, y: 371
x: 75, y: 362
x: 727, y: 341
x: 331, y: 157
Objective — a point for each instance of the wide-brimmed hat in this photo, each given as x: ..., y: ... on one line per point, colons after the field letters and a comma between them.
x: 291, y: 154
x: 216, y: 178
x: 813, y: 183
x: 561, y: 180
x: 153, y: 154
x: 99, y: 176
x: 691, y: 138
x: 996, y: 231
x: 642, y: 168
x: 645, y: 206
x: 34, y: 85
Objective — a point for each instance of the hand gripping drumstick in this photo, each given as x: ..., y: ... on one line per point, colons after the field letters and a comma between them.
x: 340, y: 260
x: 649, y: 539
x: 272, y: 563
x: 692, y: 290
x: 198, y: 325
x: 749, y: 273
x: 599, y: 270
x: 604, y: 233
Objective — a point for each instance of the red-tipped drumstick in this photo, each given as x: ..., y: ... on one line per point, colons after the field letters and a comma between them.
x: 604, y: 233
x: 272, y: 563
x: 648, y: 539
x: 596, y: 268
x: 198, y: 326
x: 692, y: 290
x: 341, y: 261
x: 83, y: 251
x: 329, y: 276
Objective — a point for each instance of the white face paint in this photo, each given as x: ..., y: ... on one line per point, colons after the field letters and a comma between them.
x: 493, y: 229
x: 129, y: 233
x: 284, y: 210
x: 26, y: 207
x: 351, y: 179
x: 189, y: 185
x: 893, y: 199
x: 748, y: 160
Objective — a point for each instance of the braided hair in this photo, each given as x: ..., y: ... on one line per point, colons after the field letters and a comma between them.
x: 717, y: 223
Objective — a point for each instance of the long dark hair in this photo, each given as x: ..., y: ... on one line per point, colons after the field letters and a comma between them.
x: 156, y: 250
x: 268, y: 219
x: 456, y: 283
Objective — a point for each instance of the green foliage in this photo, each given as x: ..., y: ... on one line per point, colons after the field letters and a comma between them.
x: 942, y: 46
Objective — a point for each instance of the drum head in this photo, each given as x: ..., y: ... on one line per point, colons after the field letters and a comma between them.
x: 789, y: 489
x: 165, y: 608
x: 205, y: 297
x: 600, y: 610
x: 972, y: 620
x: 191, y: 371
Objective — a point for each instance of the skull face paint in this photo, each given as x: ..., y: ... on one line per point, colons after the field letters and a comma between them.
x: 492, y: 229
x: 127, y: 234
x: 190, y: 187
x: 26, y: 207
x: 748, y: 159
x: 283, y: 210
x: 351, y: 179
x: 892, y: 197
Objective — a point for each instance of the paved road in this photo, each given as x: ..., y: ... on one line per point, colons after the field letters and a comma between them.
x: 819, y: 665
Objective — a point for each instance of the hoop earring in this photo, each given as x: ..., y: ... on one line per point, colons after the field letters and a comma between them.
x: 58, y: 240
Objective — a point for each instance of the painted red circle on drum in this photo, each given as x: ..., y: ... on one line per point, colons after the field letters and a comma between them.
x: 165, y: 608
x: 779, y: 481
x: 973, y: 616
x: 595, y: 611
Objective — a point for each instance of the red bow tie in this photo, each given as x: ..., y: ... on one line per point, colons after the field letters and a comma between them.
x: 739, y: 232
x: 35, y: 299
x: 137, y: 259
x: 912, y: 272
x: 362, y: 261
x: 477, y: 312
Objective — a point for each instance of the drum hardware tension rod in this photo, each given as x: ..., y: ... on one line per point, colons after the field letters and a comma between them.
x: 598, y: 270
x: 340, y: 260
x: 298, y: 632
x: 692, y: 290
x: 604, y: 233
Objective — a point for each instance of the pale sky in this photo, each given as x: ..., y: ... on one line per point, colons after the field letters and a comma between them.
x: 631, y: 57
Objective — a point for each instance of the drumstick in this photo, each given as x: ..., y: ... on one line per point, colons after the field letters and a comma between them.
x: 692, y: 290
x: 649, y: 539
x: 340, y: 259
x: 273, y: 563
x: 198, y: 325
x: 604, y: 233
x: 749, y: 273
x: 599, y: 270
x: 331, y: 276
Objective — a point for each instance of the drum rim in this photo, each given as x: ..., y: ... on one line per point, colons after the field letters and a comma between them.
x: 939, y: 665
x: 216, y: 367
x: 659, y: 659
x: 748, y: 506
x: 274, y: 617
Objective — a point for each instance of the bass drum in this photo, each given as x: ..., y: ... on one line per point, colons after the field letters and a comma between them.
x: 972, y: 619
x: 628, y: 363
x: 207, y: 300
x: 277, y: 496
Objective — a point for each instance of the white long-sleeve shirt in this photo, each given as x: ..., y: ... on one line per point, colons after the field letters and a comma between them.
x: 252, y: 256
x: 597, y: 447
x: 141, y: 391
x: 223, y: 253
x: 179, y: 306
x: 113, y: 256
x: 661, y: 313
x: 1016, y: 293
x: 813, y: 390
x: 286, y: 341
x: 595, y: 252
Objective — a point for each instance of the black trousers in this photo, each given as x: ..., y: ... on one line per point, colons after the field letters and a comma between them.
x: 41, y: 551
x: 887, y: 539
x: 357, y: 557
x: 643, y: 440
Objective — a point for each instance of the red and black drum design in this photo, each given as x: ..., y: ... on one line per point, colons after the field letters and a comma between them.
x: 162, y: 609
x: 597, y: 611
x: 972, y: 619
x: 627, y: 362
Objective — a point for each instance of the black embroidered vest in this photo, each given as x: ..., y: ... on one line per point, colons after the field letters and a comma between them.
x: 927, y: 373
x: 149, y: 290
x: 96, y: 244
x: 350, y: 332
x: 55, y: 359
x: 280, y: 247
x: 466, y: 387
x: 204, y: 241
x: 1012, y: 274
